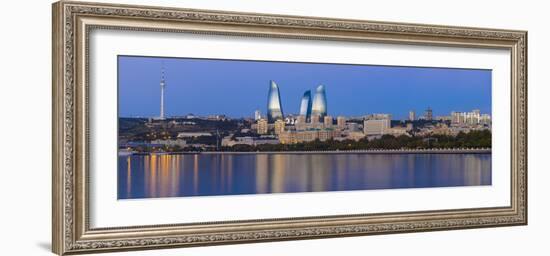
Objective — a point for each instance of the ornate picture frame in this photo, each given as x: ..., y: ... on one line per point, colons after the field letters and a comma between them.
x: 72, y: 23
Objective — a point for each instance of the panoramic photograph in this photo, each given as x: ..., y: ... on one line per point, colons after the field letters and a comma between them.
x: 212, y: 127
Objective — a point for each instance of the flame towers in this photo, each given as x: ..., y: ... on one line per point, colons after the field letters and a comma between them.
x: 274, y: 108
x: 319, y: 107
x: 310, y: 107
x: 305, y: 106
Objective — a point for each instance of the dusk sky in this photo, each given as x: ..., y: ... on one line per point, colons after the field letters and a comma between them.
x: 238, y: 88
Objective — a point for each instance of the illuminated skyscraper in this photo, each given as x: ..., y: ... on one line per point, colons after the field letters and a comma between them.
x: 319, y: 107
x: 274, y: 108
x: 305, y: 107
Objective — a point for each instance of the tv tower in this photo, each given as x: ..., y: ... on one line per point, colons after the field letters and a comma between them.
x: 162, y: 86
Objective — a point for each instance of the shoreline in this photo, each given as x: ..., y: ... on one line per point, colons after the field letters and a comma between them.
x: 370, y: 151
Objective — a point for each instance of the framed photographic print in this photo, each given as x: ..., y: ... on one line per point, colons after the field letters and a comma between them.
x: 179, y: 127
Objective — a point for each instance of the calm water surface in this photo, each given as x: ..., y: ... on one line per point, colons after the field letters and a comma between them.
x: 147, y: 176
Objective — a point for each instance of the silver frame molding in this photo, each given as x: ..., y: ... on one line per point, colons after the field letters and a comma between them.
x: 72, y: 22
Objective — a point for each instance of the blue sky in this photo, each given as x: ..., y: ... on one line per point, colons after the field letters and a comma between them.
x: 237, y: 88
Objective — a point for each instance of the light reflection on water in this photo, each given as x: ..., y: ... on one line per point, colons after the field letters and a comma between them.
x: 150, y: 176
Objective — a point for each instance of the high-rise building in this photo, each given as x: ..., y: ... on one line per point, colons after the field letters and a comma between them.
x: 305, y: 106
x: 279, y: 126
x: 376, y: 126
x: 262, y: 126
x: 475, y: 117
x: 455, y: 117
x: 319, y: 106
x: 162, y: 86
x: 412, y: 115
x: 429, y: 114
x: 257, y: 115
x: 341, y: 122
x: 327, y: 121
x: 274, y: 108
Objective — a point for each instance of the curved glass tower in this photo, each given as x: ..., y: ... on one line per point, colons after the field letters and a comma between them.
x: 274, y: 109
x: 305, y: 106
x: 319, y: 107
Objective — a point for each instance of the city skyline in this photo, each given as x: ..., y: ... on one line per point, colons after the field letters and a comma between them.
x: 234, y: 88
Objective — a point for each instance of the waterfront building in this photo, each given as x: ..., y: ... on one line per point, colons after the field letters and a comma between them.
x: 305, y: 105
x: 471, y: 118
x: 429, y: 114
x: 262, y: 126
x: 319, y: 106
x: 412, y: 115
x: 247, y: 140
x: 328, y: 121
x: 288, y: 137
x: 292, y: 137
x: 274, y: 108
x: 279, y: 126
x: 327, y: 134
x: 376, y: 126
x: 257, y: 115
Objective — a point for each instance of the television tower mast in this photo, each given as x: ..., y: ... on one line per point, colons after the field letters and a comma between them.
x: 162, y: 86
